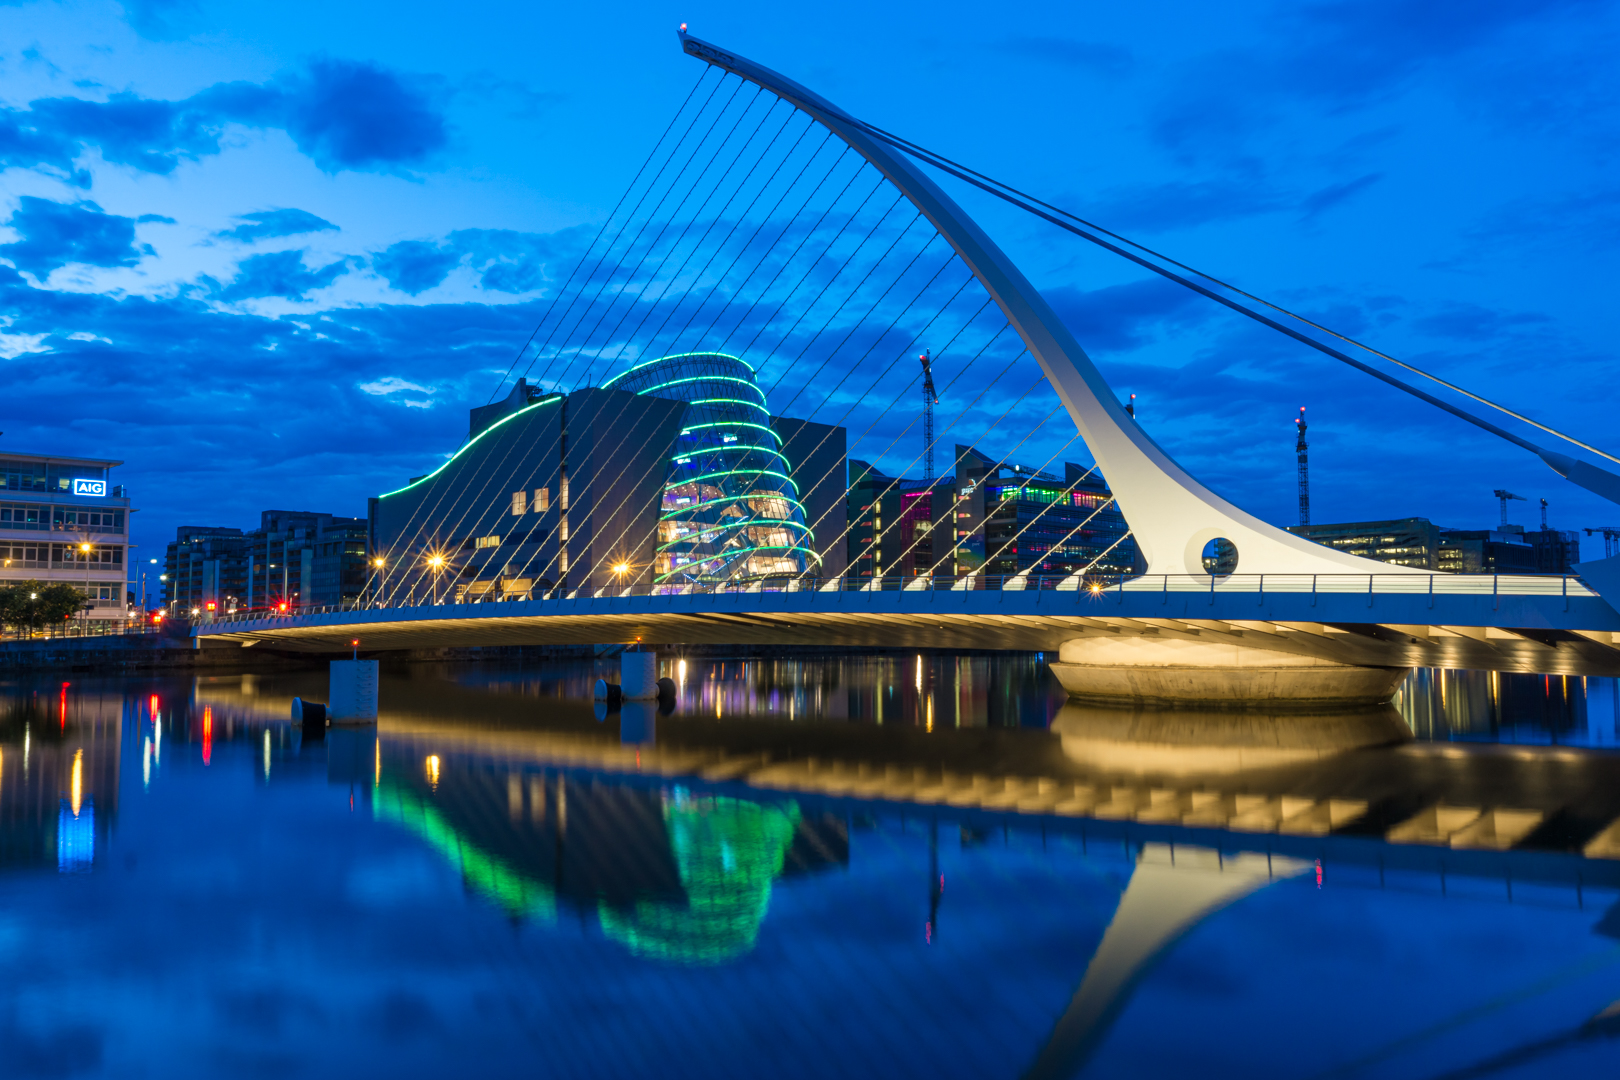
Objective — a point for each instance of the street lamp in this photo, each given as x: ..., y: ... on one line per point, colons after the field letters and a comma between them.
x: 89, y: 601
x: 437, y: 562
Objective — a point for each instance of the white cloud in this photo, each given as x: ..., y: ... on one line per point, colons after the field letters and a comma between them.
x: 15, y: 345
x: 393, y: 385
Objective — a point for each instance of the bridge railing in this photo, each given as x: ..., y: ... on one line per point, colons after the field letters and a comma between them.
x: 1095, y: 587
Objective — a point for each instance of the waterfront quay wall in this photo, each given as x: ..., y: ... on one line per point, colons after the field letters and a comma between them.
x: 134, y: 652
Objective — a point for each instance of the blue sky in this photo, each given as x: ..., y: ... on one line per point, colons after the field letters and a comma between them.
x: 270, y: 254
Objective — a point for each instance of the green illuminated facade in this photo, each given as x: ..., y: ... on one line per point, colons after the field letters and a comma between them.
x: 730, y: 509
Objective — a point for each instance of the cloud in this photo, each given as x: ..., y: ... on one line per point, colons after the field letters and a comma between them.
x: 1183, y: 203
x: 1124, y: 317
x: 55, y: 234
x: 395, y: 385
x: 415, y: 266
x: 279, y: 273
x: 1070, y: 53
x: 1474, y: 323
x: 159, y: 20
x: 513, y: 262
x: 505, y: 260
x: 1353, y: 49
x: 348, y: 115
x: 342, y: 114
x: 1334, y: 194
x: 267, y: 224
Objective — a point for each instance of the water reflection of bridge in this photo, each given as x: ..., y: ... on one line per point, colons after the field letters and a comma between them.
x: 508, y: 794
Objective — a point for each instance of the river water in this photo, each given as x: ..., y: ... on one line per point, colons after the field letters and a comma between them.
x: 888, y: 867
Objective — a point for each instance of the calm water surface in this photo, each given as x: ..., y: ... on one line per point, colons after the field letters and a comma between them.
x: 497, y: 882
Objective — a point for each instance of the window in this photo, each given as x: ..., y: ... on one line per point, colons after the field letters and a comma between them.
x: 542, y: 500
x: 562, y: 533
x: 520, y: 503
x: 98, y: 555
x: 487, y: 541
x: 562, y: 494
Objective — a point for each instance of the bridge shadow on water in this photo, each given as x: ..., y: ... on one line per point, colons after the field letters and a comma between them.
x: 864, y: 866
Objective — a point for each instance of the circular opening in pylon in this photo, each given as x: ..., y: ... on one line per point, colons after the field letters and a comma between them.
x: 1220, y: 556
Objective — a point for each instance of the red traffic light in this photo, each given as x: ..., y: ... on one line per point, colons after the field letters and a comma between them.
x: 210, y: 605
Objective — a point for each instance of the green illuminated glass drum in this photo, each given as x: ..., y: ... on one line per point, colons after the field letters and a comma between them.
x: 731, y: 511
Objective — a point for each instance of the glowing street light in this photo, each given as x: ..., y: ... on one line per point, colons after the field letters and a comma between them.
x: 437, y: 563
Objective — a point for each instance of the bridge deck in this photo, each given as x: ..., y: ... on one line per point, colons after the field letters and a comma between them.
x: 1553, y: 625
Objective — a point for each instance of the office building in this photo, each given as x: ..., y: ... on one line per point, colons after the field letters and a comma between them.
x: 1412, y: 541
x: 671, y: 474
x: 63, y: 520
x: 893, y: 523
x: 295, y: 558
x: 1014, y: 519
x: 991, y: 517
x: 1417, y: 542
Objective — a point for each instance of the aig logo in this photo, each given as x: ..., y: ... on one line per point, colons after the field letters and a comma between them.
x: 89, y: 487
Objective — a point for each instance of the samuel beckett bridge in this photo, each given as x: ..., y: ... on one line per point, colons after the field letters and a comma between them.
x: 727, y: 423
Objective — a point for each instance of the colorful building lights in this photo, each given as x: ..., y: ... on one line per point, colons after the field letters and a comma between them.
x: 730, y: 510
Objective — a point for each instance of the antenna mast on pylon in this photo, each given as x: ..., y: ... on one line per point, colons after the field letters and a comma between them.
x: 1302, y: 452
x: 929, y: 400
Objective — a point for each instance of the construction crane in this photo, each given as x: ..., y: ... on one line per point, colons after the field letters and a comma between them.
x: 1543, y: 515
x: 1302, y: 452
x: 930, y: 399
x: 1504, y: 495
x: 1611, y: 539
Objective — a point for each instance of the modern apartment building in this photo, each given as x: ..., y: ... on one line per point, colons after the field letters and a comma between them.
x: 296, y: 558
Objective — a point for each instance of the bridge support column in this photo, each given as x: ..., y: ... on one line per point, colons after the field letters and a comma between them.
x: 1156, y: 671
x: 352, y: 692
x: 638, y: 676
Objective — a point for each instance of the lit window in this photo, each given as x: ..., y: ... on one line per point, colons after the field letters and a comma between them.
x: 542, y: 500
x: 520, y: 502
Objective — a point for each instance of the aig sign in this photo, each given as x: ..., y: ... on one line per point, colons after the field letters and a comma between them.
x: 89, y: 487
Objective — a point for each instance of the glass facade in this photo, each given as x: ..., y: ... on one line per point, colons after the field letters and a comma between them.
x: 62, y: 521
x: 730, y: 511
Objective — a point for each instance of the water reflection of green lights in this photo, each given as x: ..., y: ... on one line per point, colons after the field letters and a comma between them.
x: 729, y: 851
x: 487, y: 875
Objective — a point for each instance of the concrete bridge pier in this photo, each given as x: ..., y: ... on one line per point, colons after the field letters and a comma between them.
x: 1168, y: 671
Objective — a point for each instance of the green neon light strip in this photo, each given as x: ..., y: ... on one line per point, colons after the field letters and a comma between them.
x: 723, y: 447
x: 758, y: 523
x: 730, y: 401
x: 708, y: 378
x: 741, y: 472
x: 677, y: 356
x: 474, y: 441
x: 739, y: 554
x: 667, y: 514
x: 736, y: 423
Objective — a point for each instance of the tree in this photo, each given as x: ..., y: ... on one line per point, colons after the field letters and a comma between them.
x: 30, y: 604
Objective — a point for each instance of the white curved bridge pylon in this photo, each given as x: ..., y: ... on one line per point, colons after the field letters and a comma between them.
x: 1171, y: 515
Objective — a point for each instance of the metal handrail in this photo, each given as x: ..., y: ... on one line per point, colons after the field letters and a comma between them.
x: 1091, y: 585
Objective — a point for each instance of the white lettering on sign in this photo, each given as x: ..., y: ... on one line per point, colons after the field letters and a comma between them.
x: 89, y: 487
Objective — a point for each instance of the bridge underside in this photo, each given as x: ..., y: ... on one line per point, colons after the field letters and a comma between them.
x: 1392, y: 632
